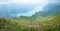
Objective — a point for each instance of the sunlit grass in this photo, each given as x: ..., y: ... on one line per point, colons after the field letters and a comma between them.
x: 50, y: 23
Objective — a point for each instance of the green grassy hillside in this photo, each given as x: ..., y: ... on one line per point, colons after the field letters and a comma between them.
x: 49, y: 23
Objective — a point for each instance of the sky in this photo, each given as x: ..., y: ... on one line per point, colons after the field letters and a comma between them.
x: 25, y: 7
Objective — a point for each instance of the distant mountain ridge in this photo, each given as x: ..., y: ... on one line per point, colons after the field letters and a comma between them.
x: 49, y: 9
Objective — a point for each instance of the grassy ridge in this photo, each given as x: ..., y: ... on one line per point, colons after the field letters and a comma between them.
x: 49, y: 23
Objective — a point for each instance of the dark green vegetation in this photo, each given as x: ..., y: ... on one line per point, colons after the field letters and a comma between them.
x: 33, y: 23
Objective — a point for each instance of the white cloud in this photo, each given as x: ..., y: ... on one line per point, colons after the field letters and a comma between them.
x: 35, y: 1
x: 15, y: 1
x: 24, y: 1
x: 54, y: 1
x: 1, y: 3
x: 33, y: 11
x: 10, y: 1
x: 37, y: 9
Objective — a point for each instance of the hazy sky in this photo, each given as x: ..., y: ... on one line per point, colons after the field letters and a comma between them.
x: 27, y: 6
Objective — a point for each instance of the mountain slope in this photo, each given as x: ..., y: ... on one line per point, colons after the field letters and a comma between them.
x: 51, y: 9
x: 49, y: 23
